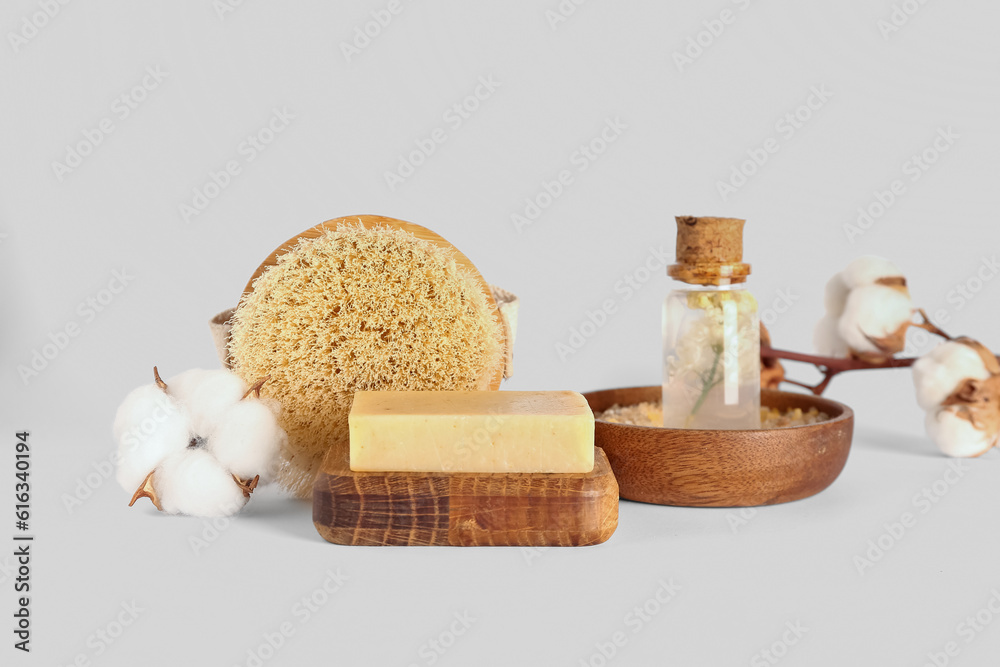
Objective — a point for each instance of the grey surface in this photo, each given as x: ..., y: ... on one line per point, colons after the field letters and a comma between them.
x: 740, y: 583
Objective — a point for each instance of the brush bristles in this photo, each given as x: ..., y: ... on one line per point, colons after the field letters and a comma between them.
x: 357, y: 309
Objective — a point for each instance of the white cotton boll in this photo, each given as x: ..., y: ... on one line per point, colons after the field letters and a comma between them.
x: 183, y: 385
x: 193, y: 482
x: 149, y: 426
x: 835, y: 295
x: 875, y: 310
x: 206, y: 395
x: 248, y: 439
x: 937, y: 374
x: 866, y: 270
x: 827, y: 339
x: 956, y: 436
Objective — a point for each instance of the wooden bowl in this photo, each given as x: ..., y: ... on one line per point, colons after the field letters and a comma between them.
x: 701, y: 468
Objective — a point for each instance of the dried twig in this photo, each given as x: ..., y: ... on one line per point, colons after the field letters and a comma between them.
x: 830, y: 366
x: 833, y: 366
x: 159, y: 381
x: 255, y: 389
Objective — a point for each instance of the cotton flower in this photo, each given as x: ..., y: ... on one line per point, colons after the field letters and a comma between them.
x: 868, y: 310
x: 957, y: 436
x: 958, y: 384
x: 198, y: 444
x: 938, y: 373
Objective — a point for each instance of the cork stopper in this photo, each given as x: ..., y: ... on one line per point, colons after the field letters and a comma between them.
x: 709, y: 251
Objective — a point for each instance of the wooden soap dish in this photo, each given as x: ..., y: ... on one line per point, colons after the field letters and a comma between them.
x: 464, y: 509
x: 698, y: 468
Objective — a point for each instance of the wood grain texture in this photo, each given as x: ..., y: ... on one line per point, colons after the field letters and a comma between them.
x: 696, y: 468
x: 464, y: 509
x: 370, y: 222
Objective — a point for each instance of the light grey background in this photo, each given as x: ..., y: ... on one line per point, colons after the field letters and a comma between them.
x: 559, y: 83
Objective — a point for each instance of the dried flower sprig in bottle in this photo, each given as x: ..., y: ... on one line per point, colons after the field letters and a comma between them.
x: 711, y: 334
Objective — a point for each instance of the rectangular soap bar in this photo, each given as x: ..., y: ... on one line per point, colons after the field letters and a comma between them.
x: 472, y: 431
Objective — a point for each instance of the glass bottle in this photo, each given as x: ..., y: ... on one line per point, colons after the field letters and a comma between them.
x: 711, y: 333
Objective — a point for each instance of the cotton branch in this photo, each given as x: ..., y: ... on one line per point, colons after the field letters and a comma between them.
x: 830, y: 366
x: 833, y: 366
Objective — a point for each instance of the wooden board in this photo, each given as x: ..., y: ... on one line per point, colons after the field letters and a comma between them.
x: 368, y: 222
x: 465, y: 509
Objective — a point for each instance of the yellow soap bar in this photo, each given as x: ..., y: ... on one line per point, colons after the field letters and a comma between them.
x: 471, y: 431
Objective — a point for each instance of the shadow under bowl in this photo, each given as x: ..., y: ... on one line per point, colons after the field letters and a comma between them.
x: 709, y: 468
